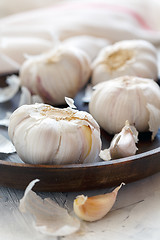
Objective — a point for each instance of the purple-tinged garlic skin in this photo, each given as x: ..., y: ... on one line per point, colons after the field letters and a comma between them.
x: 129, y: 57
x: 43, y: 134
x: 56, y: 74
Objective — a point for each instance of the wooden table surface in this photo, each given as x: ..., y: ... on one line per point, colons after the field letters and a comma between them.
x: 135, y: 215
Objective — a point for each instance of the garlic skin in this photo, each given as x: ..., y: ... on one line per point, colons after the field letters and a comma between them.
x: 122, y: 145
x: 94, y: 208
x: 128, y: 97
x: 43, y: 134
x: 56, y: 74
x: 89, y: 44
x: 130, y: 57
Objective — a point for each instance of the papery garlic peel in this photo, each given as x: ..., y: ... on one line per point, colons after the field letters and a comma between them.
x: 127, y: 98
x: 56, y: 74
x: 43, y: 134
x: 122, y: 145
x: 130, y: 57
x: 94, y: 208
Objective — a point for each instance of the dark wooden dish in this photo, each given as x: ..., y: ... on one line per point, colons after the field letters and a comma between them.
x: 81, y: 177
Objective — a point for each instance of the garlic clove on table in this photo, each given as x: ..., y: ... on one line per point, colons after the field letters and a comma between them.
x: 129, y: 57
x: 122, y: 145
x: 43, y: 134
x: 127, y: 97
x: 96, y: 207
x: 56, y: 74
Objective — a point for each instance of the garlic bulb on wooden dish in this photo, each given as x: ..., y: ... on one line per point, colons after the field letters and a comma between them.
x: 129, y: 57
x: 127, y: 98
x: 56, y: 74
x: 43, y: 134
x: 89, y: 44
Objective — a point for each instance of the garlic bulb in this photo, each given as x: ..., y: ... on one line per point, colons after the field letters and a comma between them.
x: 132, y: 57
x: 94, y: 208
x: 56, y: 74
x: 43, y: 134
x: 127, y: 98
x: 122, y: 145
x: 89, y: 44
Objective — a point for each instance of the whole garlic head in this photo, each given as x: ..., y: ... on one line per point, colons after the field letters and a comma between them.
x: 127, y: 98
x: 130, y: 57
x: 43, y: 134
x: 56, y: 74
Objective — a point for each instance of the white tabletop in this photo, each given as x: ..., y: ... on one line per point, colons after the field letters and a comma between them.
x: 135, y: 215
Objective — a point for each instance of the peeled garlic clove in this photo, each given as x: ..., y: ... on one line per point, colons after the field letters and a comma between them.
x: 89, y: 44
x: 94, y: 208
x: 124, y: 98
x: 56, y: 74
x: 43, y: 134
x: 123, y: 144
x: 132, y: 57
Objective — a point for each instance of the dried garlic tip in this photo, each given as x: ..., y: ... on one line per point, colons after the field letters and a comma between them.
x: 122, y: 145
x: 94, y: 208
x: 89, y: 44
x: 43, y: 134
x: 56, y: 74
x: 132, y: 57
x: 133, y: 98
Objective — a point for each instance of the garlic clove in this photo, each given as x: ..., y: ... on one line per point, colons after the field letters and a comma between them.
x: 94, y: 208
x: 129, y: 57
x: 63, y: 136
x: 123, y: 144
